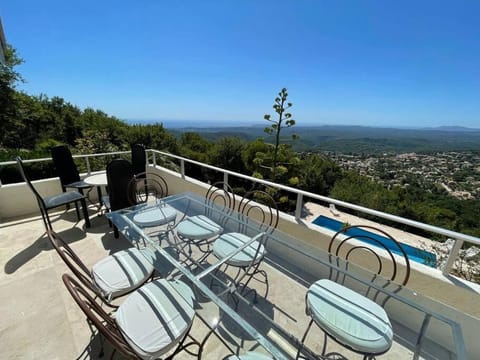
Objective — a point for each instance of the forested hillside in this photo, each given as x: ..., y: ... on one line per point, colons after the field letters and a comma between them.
x: 31, y: 124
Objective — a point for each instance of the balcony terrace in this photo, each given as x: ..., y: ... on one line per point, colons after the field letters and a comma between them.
x: 435, y: 316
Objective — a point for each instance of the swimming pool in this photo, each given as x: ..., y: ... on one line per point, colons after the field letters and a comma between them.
x: 413, y: 253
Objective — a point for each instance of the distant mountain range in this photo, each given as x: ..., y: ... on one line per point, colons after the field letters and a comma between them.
x: 345, y: 139
x: 190, y: 124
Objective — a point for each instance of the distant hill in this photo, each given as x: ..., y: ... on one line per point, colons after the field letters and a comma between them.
x: 452, y: 128
x: 358, y: 139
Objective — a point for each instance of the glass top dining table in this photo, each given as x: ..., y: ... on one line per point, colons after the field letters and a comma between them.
x: 217, y: 295
x: 274, y: 323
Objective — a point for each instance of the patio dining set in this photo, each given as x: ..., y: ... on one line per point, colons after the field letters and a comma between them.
x: 196, y: 256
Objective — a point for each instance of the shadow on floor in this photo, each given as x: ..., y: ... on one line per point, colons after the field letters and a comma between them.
x: 40, y: 244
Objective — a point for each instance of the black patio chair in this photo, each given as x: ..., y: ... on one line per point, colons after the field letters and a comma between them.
x: 46, y: 203
x: 67, y: 170
x: 119, y: 176
x: 139, y: 160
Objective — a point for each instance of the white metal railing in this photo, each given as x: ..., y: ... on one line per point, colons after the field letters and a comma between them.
x: 459, y: 238
x: 84, y: 156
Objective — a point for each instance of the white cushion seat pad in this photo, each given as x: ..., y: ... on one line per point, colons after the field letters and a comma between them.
x: 351, y: 318
x: 123, y: 271
x: 155, y: 216
x: 157, y: 316
x: 198, y: 227
x: 228, y: 243
x: 251, y: 355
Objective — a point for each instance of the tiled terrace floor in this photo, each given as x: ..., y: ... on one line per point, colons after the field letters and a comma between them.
x: 40, y: 320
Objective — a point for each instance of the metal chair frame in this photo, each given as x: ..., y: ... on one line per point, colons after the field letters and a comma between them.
x: 337, y: 248
x: 44, y: 208
x: 269, y: 217
x: 78, y: 267
x: 219, y: 199
x: 106, y: 324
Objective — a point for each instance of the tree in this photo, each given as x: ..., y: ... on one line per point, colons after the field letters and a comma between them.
x: 318, y: 174
x: 227, y: 154
x: 284, y: 120
x: 8, y: 80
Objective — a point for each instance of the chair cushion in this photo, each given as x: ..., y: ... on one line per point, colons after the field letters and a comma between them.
x: 155, y: 217
x: 251, y: 355
x: 106, y: 202
x: 123, y: 271
x: 79, y: 185
x: 198, y: 227
x: 156, y: 317
x: 228, y: 243
x: 351, y: 318
x: 62, y: 199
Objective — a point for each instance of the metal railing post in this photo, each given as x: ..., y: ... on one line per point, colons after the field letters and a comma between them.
x: 154, y: 158
x: 298, y: 210
x: 88, y: 165
x: 452, y: 256
x: 225, y: 181
x: 182, y: 168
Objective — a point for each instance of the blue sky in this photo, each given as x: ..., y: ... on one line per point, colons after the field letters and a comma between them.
x: 381, y: 63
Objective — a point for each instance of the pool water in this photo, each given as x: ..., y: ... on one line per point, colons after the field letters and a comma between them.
x: 413, y: 253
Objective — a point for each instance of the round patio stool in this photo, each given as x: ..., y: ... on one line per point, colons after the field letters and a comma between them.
x: 249, y: 356
x: 350, y: 318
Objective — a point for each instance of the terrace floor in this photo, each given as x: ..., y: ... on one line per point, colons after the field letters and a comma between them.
x: 39, y: 319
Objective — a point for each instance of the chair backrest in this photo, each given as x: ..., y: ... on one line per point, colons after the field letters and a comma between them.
x: 119, y: 175
x: 221, y: 194
x: 95, y: 314
x: 342, y: 245
x: 21, y: 169
x: 219, y: 201
x: 73, y: 262
x: 261, y: 207
x: 143, y: 188
x: 64, y: 165
x: 139, y: 159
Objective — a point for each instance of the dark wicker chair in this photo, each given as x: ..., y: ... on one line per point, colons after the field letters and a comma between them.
x: 67, y: 170
x: 50, y: 202
x: 357, y: 322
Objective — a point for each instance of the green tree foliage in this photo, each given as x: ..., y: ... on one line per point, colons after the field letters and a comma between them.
x: 251, y: 151
x: 9, y: 77
x: 318, y: 174
x: 152, y: 136
x: 227, y: 154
